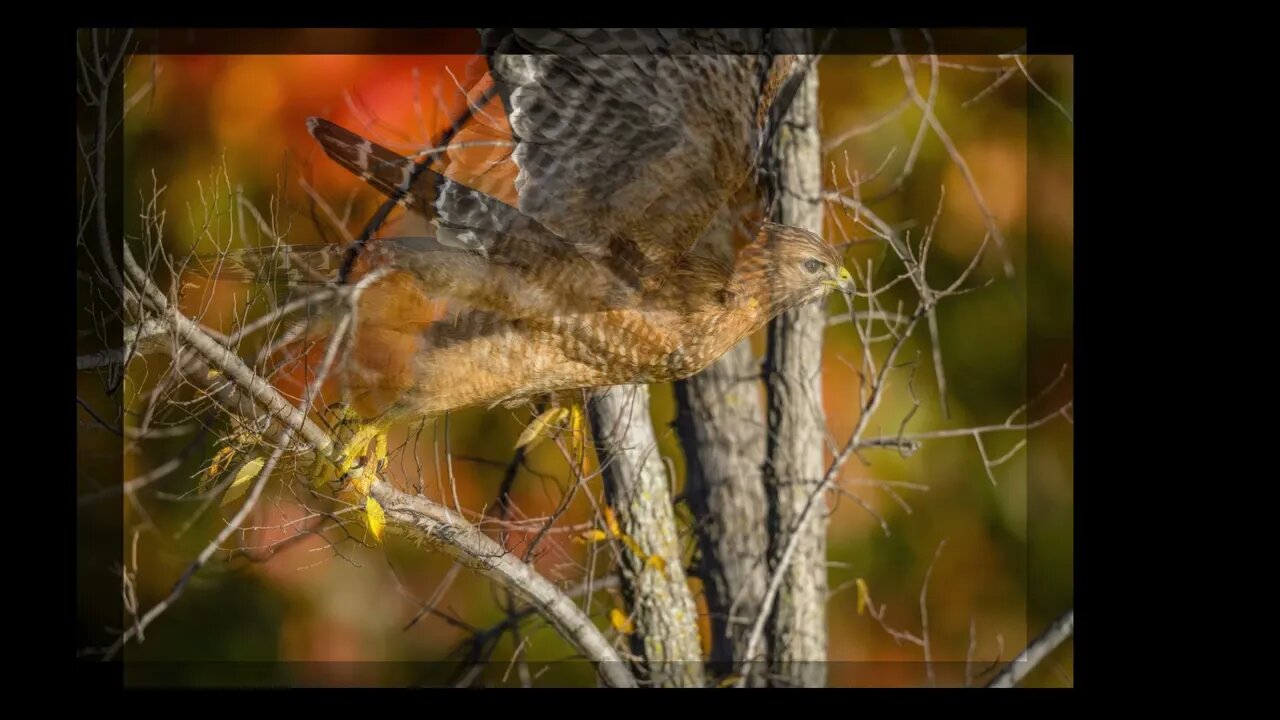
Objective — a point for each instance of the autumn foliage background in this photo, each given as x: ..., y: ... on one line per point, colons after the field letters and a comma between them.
x: 1007, y: 563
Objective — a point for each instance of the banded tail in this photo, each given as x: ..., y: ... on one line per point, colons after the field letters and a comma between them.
x: 412, y: 183
x: 465, y: 217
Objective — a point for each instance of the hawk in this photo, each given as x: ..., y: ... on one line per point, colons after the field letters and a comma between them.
x: 571, y: 208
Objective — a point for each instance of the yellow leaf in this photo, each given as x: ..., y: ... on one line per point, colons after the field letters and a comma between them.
x: 729, y: 681
x: 240, y: 483
x: 374, y: 517
x: 621, y: 622
x: 611, y: 521
x: 656, y: 561
x: 541, y: 426
x: 590, y: 536
x: 632, y: 545
x: 213, y: 373
x: 863, y: 595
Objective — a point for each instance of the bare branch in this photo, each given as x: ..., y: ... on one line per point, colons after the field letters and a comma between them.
x: 1030, y: 80
x: 925, y: 105
x: 866, y: 128
x: 924, y: 615
x: 477, y: 551
x: 1016, y: 671
x: 438, y: 524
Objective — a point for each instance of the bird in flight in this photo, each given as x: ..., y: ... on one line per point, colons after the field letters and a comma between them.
x: 580, y: 209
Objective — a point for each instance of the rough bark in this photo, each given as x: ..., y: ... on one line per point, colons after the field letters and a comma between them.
x: 636, y: 486
x: 721, y: 425
x: 797, y: 631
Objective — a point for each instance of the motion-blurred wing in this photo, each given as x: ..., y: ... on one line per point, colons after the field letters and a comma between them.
x: 485, y: 253
x: 630, y: 140
x: 609, y: 147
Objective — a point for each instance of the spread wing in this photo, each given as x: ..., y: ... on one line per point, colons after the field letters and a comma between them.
x: 485, y: 253
x: 631, y: 140
x: 613, y: 147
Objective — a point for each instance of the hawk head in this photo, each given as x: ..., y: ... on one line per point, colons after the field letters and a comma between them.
x: 790, y: 266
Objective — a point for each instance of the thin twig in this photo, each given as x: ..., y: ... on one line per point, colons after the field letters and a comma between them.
x: 924, y: 616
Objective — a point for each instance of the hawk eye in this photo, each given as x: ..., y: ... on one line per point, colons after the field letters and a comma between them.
x: 813, y: 265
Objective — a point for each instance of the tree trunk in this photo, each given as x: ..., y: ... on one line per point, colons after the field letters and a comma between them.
x: 637, y: 488
x: 721, y: 425
x: 793, y: 469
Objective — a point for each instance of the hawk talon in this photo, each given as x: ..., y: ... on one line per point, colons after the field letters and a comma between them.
x: 355, y: 465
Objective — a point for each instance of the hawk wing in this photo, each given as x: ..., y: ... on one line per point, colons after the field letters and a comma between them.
x: 627, y: 142
x: 613, y: 147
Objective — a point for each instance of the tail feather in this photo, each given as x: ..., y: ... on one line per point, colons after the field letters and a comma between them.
x: 411, y: 183
x: 465, y: 216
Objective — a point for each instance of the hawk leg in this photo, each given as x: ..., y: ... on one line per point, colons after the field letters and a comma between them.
x: 555, y: 419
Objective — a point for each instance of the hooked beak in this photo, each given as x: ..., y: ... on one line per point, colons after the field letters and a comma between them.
x: 845, y: 283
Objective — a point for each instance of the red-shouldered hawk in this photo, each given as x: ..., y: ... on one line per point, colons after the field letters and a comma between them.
x: 569, y: 209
